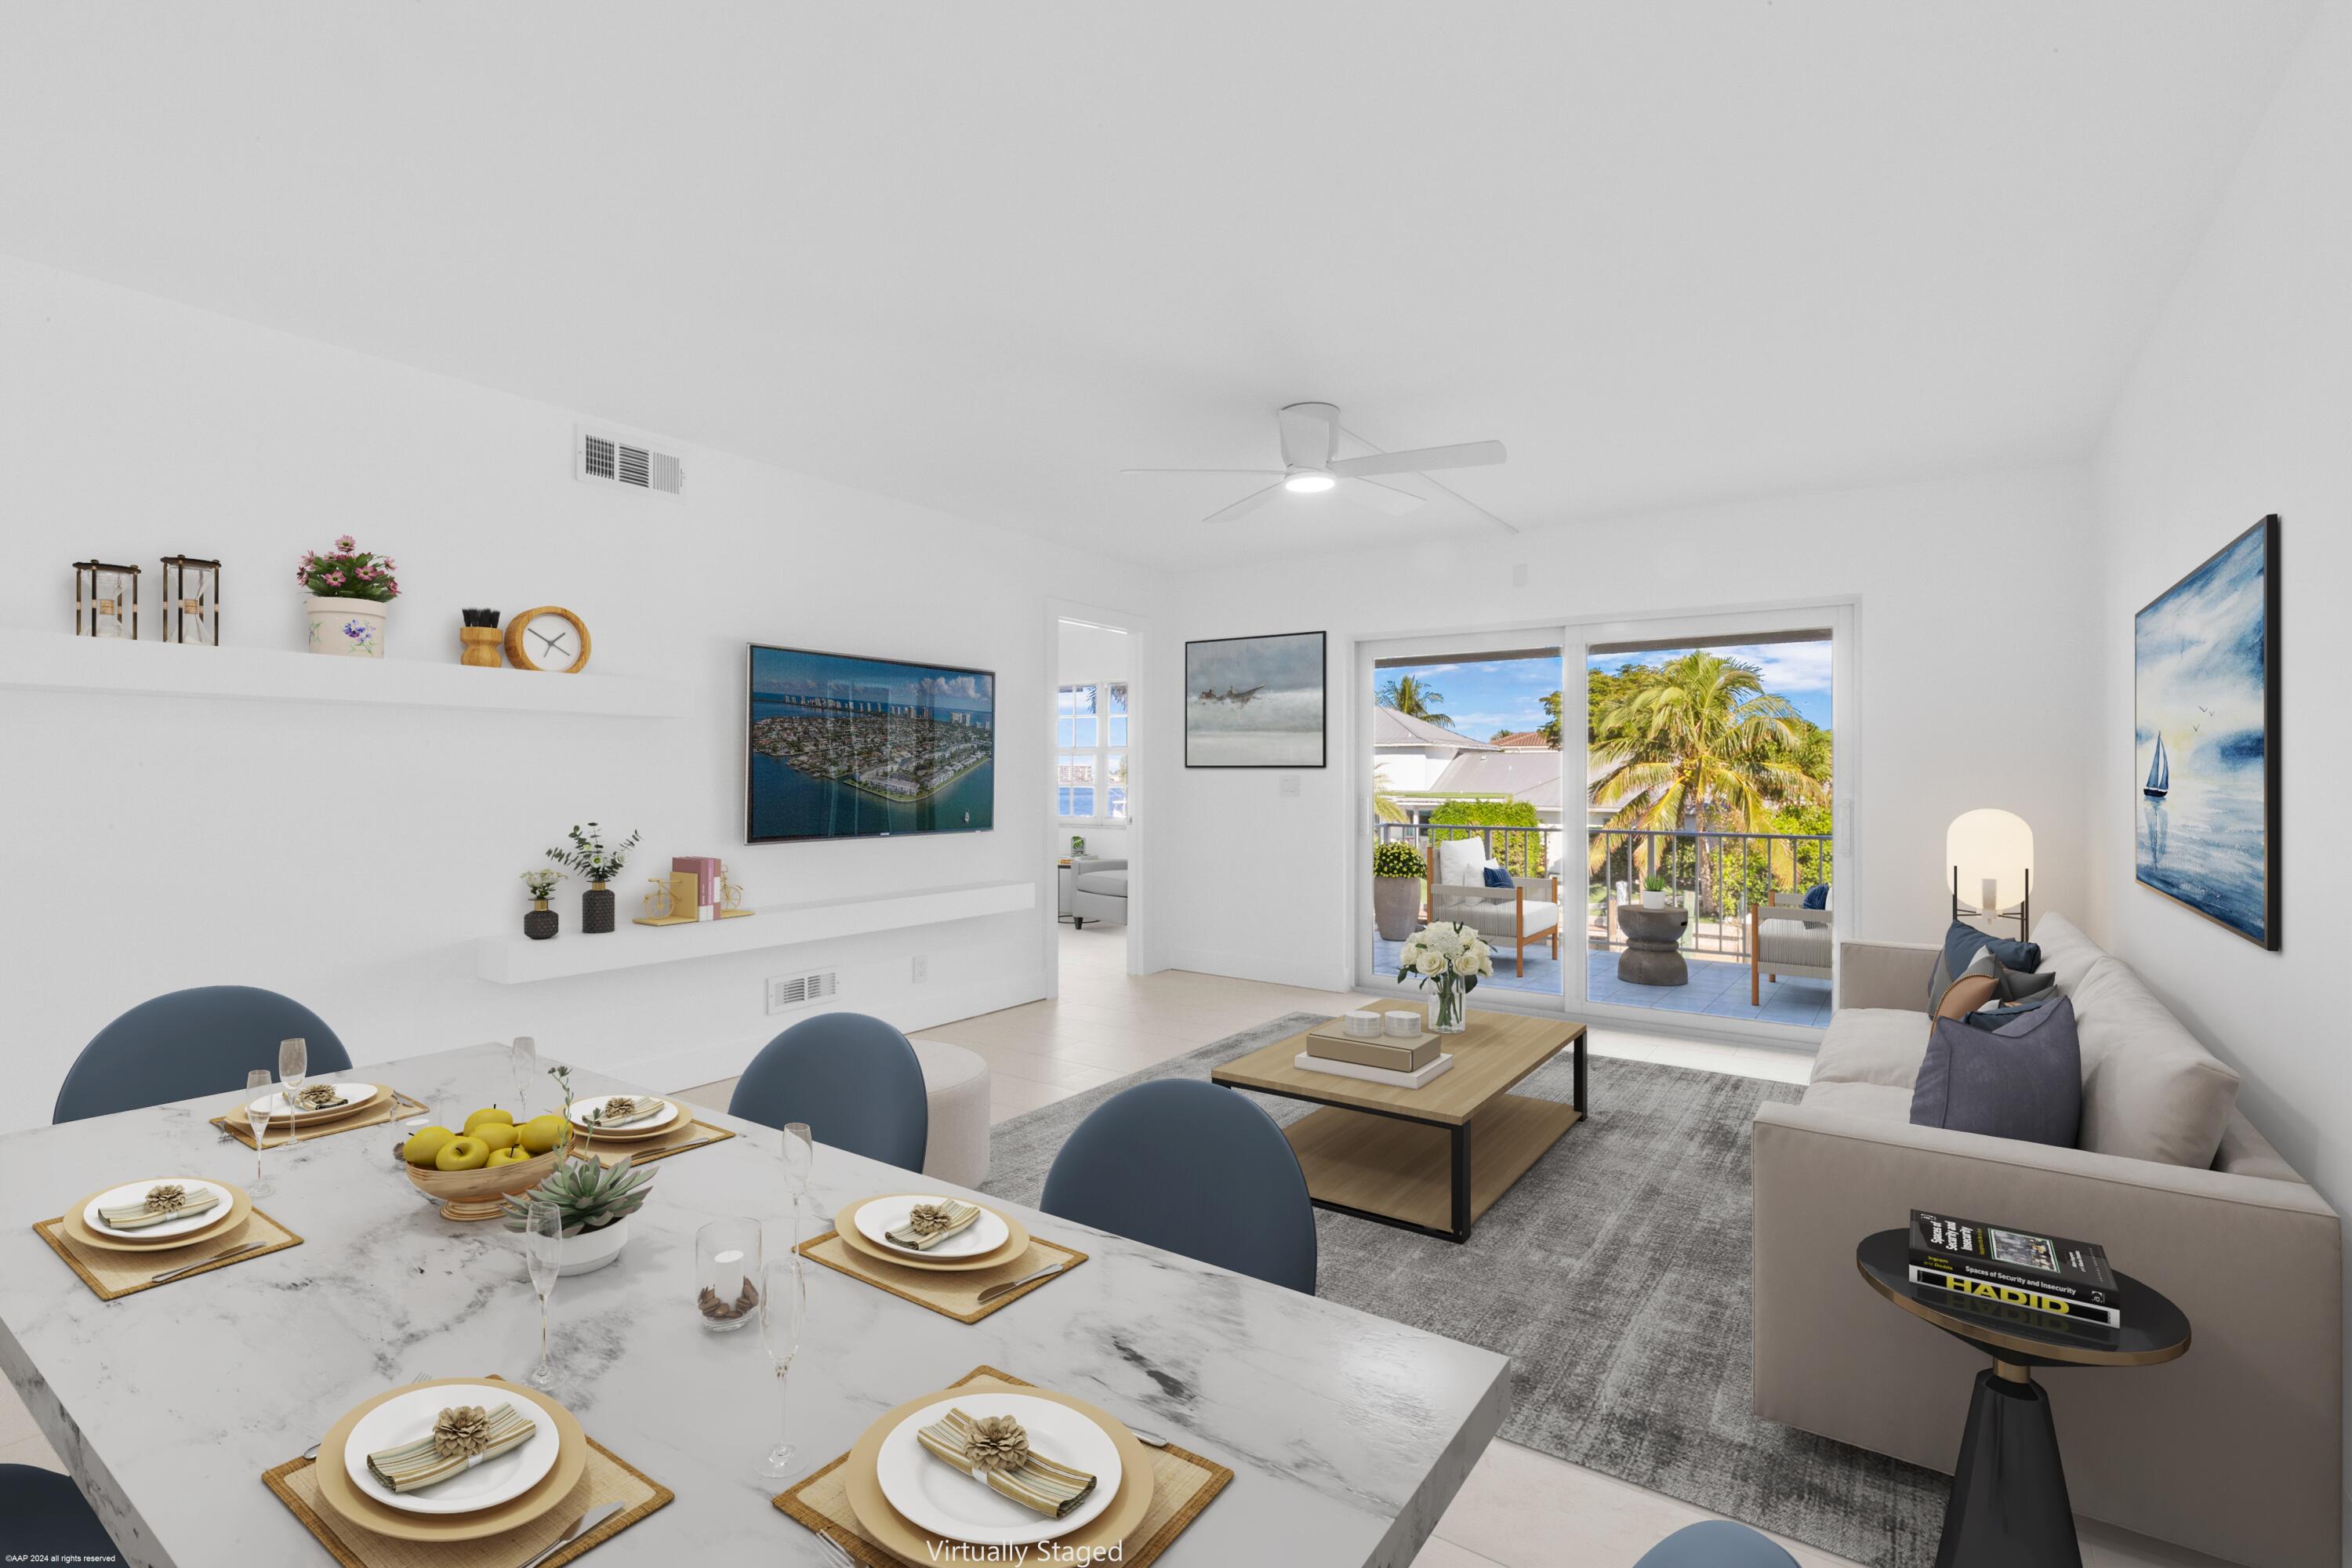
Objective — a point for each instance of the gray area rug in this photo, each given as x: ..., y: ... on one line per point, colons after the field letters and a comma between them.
x: 1614, y: 1275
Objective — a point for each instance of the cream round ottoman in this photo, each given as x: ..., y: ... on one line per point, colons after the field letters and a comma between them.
x: 955, y: 1080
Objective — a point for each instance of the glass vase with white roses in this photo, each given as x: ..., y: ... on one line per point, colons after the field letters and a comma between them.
x: 1453, y: 959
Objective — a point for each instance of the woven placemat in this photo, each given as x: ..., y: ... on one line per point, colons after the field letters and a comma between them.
x: 695, y: 1135
x: 1182, y: 1484
x: 112, y: 1275
x: 608, y: 1479
x: 397, y: 1108
x: 954, y: 1294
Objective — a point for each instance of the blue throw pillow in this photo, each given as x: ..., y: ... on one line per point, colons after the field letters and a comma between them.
x: 1499, y: 878
x: 2020, y: 1081
x: 1818, y: 898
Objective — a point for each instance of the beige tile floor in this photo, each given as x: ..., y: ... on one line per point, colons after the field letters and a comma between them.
x: 1518, y: 1508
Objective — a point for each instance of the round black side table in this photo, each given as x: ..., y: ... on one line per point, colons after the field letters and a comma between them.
x: 2008, y: 1500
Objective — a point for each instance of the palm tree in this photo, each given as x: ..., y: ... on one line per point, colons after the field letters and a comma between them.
x: 1384, y: 801
x: 1698, y: 746
x: 1409, y: 696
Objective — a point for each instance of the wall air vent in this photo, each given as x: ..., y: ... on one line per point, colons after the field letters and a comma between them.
x: 789, y: 990
x: 600, y: 456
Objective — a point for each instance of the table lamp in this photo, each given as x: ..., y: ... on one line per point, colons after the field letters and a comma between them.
x: 1991, y: 855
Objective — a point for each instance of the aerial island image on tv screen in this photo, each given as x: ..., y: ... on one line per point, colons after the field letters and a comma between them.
x: 844, y: 747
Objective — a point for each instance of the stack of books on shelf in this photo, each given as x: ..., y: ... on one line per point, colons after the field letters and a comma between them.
x: 2048, y: 1277
x: 1405, y: 1060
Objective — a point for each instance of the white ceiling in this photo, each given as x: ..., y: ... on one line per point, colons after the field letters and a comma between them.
x: 984, y: 255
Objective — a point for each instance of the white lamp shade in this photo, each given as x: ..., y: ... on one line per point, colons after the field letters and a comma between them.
x: 1990, y: 848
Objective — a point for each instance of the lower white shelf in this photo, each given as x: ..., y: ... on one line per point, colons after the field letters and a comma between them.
x: 516, y: 960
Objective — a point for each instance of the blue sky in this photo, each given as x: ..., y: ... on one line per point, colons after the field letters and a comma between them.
x: 1483, y: 696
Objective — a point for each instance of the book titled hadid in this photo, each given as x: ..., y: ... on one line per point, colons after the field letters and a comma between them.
x: 1997, y: 1264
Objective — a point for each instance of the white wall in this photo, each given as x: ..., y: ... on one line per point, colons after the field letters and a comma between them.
x: 348, y: 857
x: 1972, y: 648
x: 2241, y: 405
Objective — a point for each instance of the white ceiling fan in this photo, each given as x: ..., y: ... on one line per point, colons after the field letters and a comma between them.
x: 1310, y: 436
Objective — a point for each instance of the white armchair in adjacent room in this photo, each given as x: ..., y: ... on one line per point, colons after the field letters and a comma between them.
x: 1097, y: 890
x: 1526, y: 912
x: 1787, y: 939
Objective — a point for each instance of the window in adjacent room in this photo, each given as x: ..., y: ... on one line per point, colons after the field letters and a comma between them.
x: 1090, y: 753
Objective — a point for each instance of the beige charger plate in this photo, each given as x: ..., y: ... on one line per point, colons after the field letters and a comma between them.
x: 335, y: 1489
x: 239, y: 1208
x: 887, y: 1525
x: 846, y: 1221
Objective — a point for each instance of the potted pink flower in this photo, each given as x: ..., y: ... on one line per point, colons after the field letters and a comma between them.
x: 349, y: 590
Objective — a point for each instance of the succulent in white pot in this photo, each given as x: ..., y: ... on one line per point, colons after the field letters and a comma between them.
x: 596, y: 1201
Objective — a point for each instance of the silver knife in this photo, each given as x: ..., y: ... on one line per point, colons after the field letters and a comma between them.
x: 993, y: 1292
x: 171, y: 1274
x: 579, y: 1527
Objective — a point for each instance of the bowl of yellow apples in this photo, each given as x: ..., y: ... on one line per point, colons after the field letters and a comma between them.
x: 469, y: 1172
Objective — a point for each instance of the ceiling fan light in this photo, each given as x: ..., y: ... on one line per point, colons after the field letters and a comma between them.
x: 1308, y: 483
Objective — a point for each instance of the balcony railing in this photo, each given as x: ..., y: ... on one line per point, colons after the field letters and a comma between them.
x: 1714, y: 875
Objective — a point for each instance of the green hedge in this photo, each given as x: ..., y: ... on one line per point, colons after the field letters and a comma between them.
x: 1521, y: 854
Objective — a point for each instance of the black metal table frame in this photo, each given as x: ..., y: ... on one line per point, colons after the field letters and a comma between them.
x: 1459, y: 1137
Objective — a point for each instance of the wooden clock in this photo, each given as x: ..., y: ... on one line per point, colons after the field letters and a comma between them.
x: 549, y: 637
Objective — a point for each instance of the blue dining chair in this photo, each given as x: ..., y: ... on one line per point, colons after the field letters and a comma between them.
x: 183, y: 1044
x: 1715, y: 1544
x: 42, y: 1515
x: 1191, y: 1168
x: 853, y: 1079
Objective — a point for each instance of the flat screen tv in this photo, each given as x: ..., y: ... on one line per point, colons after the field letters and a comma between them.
x: 844, y: 747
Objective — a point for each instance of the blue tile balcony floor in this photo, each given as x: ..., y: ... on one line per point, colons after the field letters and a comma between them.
x: 1719, y: 985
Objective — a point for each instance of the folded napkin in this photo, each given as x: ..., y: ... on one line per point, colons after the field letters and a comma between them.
x: 932, y: 1224
x: 462, y: 1437
x: 995, y: 1451
x: 168, y: 1200
x: 622, y: 1110
x: 317, y: 1097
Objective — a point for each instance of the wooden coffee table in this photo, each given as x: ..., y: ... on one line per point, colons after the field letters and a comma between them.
x: 1405, y: 1157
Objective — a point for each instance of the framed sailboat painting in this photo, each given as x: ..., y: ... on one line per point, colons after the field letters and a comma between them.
x: 2205, y: 769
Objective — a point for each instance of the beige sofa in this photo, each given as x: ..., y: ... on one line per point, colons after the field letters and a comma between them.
x: 2237, y: 1447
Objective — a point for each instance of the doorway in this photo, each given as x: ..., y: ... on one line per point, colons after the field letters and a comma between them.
x: 1092, y: 796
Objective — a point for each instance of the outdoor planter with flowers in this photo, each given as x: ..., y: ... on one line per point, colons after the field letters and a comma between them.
x: 589, y: 856
x: 1396, y: 872
x: 1453, y: 959
x: 349, y: 590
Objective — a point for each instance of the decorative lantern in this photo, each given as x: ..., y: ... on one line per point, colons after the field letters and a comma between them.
x: 106, y: 600
x: 191, y: 600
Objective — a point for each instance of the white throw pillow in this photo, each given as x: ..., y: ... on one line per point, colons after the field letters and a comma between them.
x: 1458, y: 862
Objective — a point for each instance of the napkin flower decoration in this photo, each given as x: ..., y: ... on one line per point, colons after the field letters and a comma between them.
x: 929, y: 1218
x: 166, y: 1197
x: 461, y: 1431
x: 997, y: 1443
x: 620, y: 1105
x: 316, y: 1097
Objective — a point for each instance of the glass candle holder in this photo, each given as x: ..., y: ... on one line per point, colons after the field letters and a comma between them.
x: 727, y: 1273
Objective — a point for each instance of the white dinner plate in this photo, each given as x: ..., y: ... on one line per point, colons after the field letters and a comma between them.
x: 581, y: 1108
x: 136, y: 1191
x: 275, y: 1103
x: 936, y: 1497
x: 485, y: 1484
x: 877, y: 1219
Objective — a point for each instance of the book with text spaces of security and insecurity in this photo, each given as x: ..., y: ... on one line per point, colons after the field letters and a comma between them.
x: 2019, y: 1260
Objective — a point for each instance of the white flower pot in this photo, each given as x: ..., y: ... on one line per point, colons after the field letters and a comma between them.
x: 591, y: 1249
x: 1651, y: 900
x: 353, y: 627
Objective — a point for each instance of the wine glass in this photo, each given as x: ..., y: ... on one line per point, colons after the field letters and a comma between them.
x: 800, y: 1158
x: 783, y: 1311
x: 256, y: 1116
x: 293, y: 1066
x: 524, y: 1055
x: 542, y: 1250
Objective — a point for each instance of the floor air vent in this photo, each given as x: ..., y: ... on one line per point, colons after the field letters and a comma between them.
x: 789, y: 990
x: 601, y: 459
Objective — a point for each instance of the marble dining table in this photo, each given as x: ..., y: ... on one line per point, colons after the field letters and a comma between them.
x: 1348, y: 1434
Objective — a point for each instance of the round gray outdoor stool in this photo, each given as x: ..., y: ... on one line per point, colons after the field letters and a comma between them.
x: 955, y: 1082
x: 1653, y: 951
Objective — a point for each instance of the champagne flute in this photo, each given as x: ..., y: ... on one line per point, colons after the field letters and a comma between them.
x: 256, y: 1116
x: 293, y: 1066
x: 542, y: 1250
x: 784, y: 1311
x: 524, y: 1055
x: 800, y: 1159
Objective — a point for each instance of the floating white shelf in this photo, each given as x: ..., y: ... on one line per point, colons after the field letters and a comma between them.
x: 59, y: 661
x: 516, y: 960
